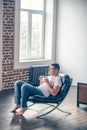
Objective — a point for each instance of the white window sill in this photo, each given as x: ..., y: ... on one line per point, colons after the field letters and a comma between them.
x: 29, y: 63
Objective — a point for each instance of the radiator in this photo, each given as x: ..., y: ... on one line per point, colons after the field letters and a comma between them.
x: 35, y: 71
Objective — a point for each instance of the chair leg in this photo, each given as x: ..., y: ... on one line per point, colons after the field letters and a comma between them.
x: 47, y: 112
x: 64, y: 111
x: 31, y: 104
x: 61, y: 109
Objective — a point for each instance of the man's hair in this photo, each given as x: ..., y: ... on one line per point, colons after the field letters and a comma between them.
x: 56, y: 66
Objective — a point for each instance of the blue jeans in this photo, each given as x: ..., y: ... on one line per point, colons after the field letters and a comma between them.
x: 22, y: 91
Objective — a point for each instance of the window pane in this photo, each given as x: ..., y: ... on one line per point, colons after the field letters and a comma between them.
x: 23, y: 35
x: 32, y: 4
x: 36, y: 39
x: 31, y: 29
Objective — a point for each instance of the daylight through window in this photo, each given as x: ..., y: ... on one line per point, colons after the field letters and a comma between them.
x: 32, y: 13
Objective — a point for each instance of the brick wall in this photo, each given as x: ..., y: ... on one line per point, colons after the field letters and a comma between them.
x: 9, y: 75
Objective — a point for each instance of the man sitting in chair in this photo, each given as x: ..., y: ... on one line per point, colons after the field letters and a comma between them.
x: 49, y: 85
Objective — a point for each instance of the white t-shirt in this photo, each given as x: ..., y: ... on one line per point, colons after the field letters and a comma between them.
x: 53, y: 81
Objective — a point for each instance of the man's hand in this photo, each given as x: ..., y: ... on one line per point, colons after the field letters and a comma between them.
x: 46, y: 80
x: 41, y: 78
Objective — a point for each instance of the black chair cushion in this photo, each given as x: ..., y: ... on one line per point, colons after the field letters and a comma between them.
x: 66, y: 82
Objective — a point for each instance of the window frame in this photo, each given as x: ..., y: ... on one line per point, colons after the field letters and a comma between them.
x: 49, y: 38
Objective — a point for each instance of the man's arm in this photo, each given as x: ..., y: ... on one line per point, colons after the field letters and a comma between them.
x: 53, y: 90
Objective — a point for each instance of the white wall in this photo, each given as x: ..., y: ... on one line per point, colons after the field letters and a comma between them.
x: 72, y: 38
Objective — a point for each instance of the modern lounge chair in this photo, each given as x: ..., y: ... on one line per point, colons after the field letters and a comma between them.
x: 54, y: 101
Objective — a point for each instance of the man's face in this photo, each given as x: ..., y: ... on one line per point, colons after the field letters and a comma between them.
x: 52, y: 70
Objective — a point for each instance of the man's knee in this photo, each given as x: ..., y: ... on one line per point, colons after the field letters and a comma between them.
x: 24, y: 87
x: 17, y: 83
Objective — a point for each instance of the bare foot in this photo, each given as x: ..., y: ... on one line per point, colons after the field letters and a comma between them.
x: 21, y: 111
x: 15, y: 108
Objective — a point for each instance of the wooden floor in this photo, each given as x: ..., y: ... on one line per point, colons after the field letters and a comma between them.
x: 53, y: 121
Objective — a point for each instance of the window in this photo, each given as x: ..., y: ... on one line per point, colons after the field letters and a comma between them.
x: 32, y: 29
x: 34, y: 32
